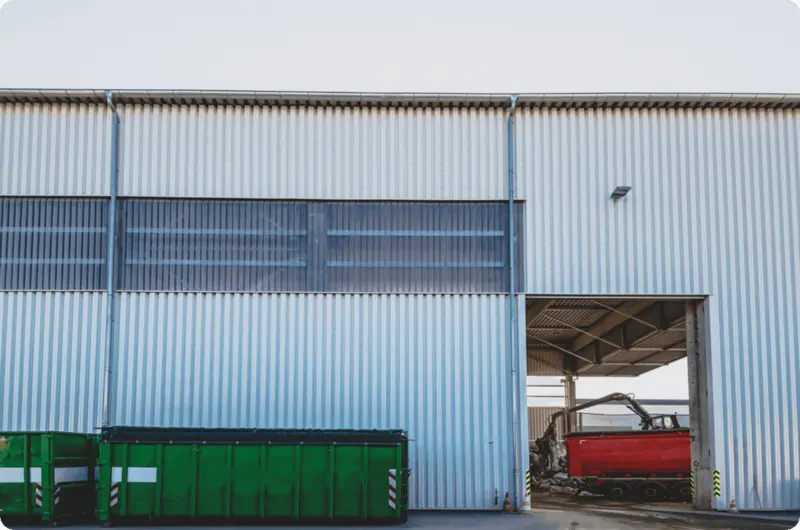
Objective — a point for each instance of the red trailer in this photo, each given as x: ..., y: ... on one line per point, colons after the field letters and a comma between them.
x: 652, y: 464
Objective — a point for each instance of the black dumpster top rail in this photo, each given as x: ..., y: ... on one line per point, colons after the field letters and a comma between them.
x: 124, y: 434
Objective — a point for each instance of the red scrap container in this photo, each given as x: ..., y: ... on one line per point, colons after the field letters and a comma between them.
x: 629, y: 453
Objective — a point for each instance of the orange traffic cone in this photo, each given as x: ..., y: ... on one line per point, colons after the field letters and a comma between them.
x: 732, y: 508
x: 526, y: 505
x: 507, y: 508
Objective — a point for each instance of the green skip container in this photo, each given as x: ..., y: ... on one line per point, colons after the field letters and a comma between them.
x: 258, y: 475
x: 46, y: 476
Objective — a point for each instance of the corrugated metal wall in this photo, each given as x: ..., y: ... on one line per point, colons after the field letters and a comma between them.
x: 51, y: 361
x: 434, y: 365
x: 312, y: 153
x: 539, y: 418
x: 54, y: 149
x: 713, y: 211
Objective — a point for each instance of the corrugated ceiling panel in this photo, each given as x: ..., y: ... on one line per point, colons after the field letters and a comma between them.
x: 544, y: 363
x: 51, y: 361
x: 435, y: 366
x: 48, y: 150
x: 312, y: 153
x: 713, y: 210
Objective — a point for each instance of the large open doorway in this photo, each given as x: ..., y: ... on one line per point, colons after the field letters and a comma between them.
x: 572, y: 341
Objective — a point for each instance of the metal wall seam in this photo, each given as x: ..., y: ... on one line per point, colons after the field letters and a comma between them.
x: 434, y: 365
x: 53, y: 149
x: 325, y: 153
x: 51, y: 353
x: 711, y: 212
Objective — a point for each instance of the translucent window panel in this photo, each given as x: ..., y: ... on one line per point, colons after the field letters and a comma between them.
x: 265, y: 246
x: 216, y: 246
x: 417, y: 247
x: 53, y: 244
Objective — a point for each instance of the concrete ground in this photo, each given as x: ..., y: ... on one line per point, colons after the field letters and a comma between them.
x: 552, y: 518
x: 661, y: 515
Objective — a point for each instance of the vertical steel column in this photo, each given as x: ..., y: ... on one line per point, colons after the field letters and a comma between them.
x: 571, y: 401
x: 700, y: 407
x: 110, y: 262
x: 512, y: 305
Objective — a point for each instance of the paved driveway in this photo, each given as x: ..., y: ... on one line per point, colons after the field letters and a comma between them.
x: 549, y: 518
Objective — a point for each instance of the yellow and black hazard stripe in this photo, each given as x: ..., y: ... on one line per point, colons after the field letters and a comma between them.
x: 528, y: 482
x: 691, y: 483
x: 717, y: 484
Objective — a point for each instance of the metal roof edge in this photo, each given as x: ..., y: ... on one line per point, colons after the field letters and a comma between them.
x: 407, y: 99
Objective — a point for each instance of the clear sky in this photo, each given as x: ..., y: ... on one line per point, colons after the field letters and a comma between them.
x: 411, y: 46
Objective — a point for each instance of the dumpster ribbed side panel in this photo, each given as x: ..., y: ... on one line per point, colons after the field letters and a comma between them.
x: 324, y: 153
x: 51, y: 361
x: 432, y: 365
x: 54, y: 149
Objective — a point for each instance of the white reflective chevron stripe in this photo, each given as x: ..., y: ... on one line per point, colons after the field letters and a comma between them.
x: 113, y: 499
x: 393, y: 489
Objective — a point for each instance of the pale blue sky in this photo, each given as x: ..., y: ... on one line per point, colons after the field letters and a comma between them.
x: 413, y: 45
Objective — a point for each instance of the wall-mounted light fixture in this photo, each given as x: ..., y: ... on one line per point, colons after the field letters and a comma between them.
x: 620, y: 191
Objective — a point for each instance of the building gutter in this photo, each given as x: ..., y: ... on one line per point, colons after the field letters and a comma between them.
x: 111, y: 263
x: 512, y: 303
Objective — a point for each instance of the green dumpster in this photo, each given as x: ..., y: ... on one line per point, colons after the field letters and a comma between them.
x: 46, y: 476
x: 260, y: 475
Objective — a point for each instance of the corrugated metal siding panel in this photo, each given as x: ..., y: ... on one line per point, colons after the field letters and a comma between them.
x: 433, y: 365
x: 539, y: 418
x: 712, y: 211
x: 51, y: 361
x: 312, y: 153
x: 48, y: 150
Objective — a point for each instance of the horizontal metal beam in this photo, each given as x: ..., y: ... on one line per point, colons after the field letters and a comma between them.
x: 633, y: 364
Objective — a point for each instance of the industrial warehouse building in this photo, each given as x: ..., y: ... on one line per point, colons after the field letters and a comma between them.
x: 212, y: 259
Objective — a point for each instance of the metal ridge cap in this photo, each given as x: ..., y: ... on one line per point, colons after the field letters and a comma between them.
x: 167, y: 96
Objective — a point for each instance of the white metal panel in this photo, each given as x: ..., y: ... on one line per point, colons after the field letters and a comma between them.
x: 312, y: 152
x: 54, y: 149
x: 435, y: 366
x: 713, y: 210
x: 51, y: 361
